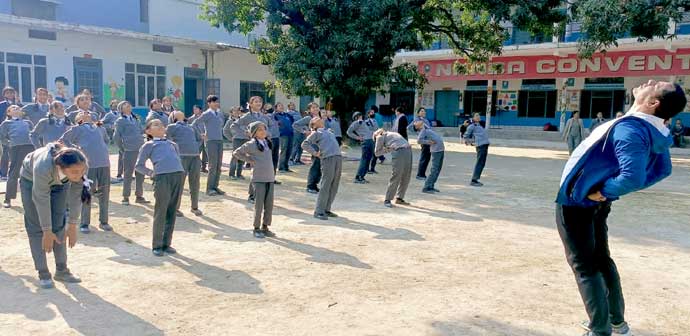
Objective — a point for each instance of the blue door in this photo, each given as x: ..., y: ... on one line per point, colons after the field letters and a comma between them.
x: 446, y: 108
x: 88, y: 74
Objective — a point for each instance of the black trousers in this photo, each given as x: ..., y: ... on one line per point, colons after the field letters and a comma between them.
x: 314, y: 176
x: 167, y: 191
x: 584, y: 233
x: 482, y: 153
x: 424, y: 159
x: 275, y: 152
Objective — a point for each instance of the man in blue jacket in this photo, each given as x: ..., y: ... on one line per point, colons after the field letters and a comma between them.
x: 619, y: 157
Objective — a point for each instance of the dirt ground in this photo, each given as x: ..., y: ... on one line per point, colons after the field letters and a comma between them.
x: 466, y: 261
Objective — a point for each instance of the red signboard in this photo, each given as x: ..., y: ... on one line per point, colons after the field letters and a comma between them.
x: 611, y: 64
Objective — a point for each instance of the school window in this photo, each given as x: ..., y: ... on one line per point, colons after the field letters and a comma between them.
x: 250, y: 89
x: 144, y: 83
x: 37, y: 9
x: 537, y: 104
x: 213, y: 86
x: 23, y: 72
x: 608, y: 102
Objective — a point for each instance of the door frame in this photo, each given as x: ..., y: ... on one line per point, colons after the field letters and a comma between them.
x: 89, y: 64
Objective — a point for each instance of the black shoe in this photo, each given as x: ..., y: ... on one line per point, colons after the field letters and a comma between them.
x: 204, y: 170
x: 158, y: 252
x: 220, y: 192
x: 312, y: 191
x: 141, y: 200
x: 359, y: 181
x: 421, y: 178
x: 233, y: 178
x: 84, y: 229
x: 241, y: 177
x: 387, y: 204
x: 401, y: 201
x: 251, y: 200
x: 197, y: 212
x: 7, y: 204
x: 436, y: 190
x: 321, y: 216
x: 428, y: 191
x: 212, y: 193
x: 286, y: 171
x: 170, y: 250
x: 179, y: 213
x: 259, y: 234
x: 476, y: 184
x: 66, y: 276
x: 125, y: 201
x: 277, y: 182
x: 381, y: 160
x: 373, y: 172
x: 331, y: 214
x: 268, y: 233
x: 105, y: 227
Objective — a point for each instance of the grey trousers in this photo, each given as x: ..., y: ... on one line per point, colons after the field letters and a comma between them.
x: 402, y: 171
x: 17, y: 155
x: 129, y: 160
x: 236, y: 165
x: 436, y: 165
x: 573, y: 142
x: 166, y: 191
x: 100, y: 188
x: 192, y: 171
x: 584, y: 233
x: 285, y: 152
x: 482, y: 153
x: 331, y: 169
x: 263, y: 203
x: 215, y: 160
x: 297, y: 147
x: 120, y: 163
x: 58, y: 207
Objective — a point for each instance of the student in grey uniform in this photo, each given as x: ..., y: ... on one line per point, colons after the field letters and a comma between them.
x: 374, y: 125
x: 155, y: 112
x: 240, y: 131
x: 83, y: 102
x: 331, y: 166
x: 196, y: 113
x: 361, y: 130
x: 15, y: 132
x: 425, y: 155
x: 9, y: 95
x: 188, y: 140
x: 129, y: 137
x: 92, y: 140
x: 333, y: 124
x: 53, y: 190
x: 167, y: 175
x: 296, y: 154
x: 303, y: 126
x: 257, y: 152
x: 52, y: 127
x: 38, y: 110
x: 212, y: 122
x: 478, y: 137
x: 228, y: 133
x: 285, y: 121
x: 168, y: 108
x: 428, y: 137
x: 392, y: 142
x: 108, y: 122
x: 274, y: 134
x: 574, y: 132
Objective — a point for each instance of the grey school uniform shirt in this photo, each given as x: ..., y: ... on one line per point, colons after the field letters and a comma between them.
x: 212, y: 122
x: 388, y: 142
x: 273, y: 127
x: 241, y: 126
x: 163, y: 153
x: 48, y: 130
x: 36, y: 111
x: 427, y: 135
x: 92, y: 140
x: 477, y: 134
x: 95, y: 107
x: 110, y: 119
x: 262, y: 161
x: 128, y: 134
x: 16, y: 132
x: 324, y: 140
x: 39, y: 167
x: 333, y: 124
x: 160, y: 115
x: 302, y: 125
x: 362, y: 128
x: 187, y: 138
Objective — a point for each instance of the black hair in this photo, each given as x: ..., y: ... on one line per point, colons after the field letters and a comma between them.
x: 7, y: 88
x: 197, y: 106
x: 374, y: 108
x: 671, y: 102
x: 212, y: 99
x: 65, y: 157
x: 61, y: 79
x: 153, y: 101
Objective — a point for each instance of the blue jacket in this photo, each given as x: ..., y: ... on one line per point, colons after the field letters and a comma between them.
x: 285, y: 121
x: 632, y: 156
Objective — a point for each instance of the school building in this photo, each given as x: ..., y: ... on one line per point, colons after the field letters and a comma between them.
x: 532, y: 83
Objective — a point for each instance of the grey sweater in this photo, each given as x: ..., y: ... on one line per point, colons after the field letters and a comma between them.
x: 333, y: 124
x: 273, y: 127
x: 48, y: 130
x: 187, y: 138
x: 163, y: 153
x: 110, y: 119
x: 35, y: 112
x: 302, y: 125
x: 128, y: 136
x: 410, y: 127
x: 16, y: 132
x: 95, y: 107
x: 241, y: 126
x: 388, y: 142
x: 477, y: 135
x: 39, y: 167
x: 324, y: 140
x: 158, y: 115
x: 72, y: 116
x: 262, y: 161
x: 212, y: 122
x: 92, y: 140
x: 362, y: 128
x: 427, y: 135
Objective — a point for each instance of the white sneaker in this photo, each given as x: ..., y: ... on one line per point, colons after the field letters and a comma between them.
x: 621, y: 329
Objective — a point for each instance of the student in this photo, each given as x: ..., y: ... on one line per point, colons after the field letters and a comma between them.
x: 331, y: 165
x: 361, y: 130
x: 52, y: 127
x: 620, y: 157
x: 333, y: 124
x: 92, y: 140
x: 400, y: 124
x: 212, y: 122
x: 477, y: 136
x: 9, y: 96
x: 392, y: 142
x: 240, y: 131
x: 15, y: 132
x: 168, y: 108
x: 428, y: 137
x: 374, y: 125
x: 301, y: 129
x: 574, y: 132
x: 303, y: 126
x: 425, y: 154
x: 38, y: 110
x: 678, y: 132
x: 274, y: 134
x: 619, y: 114
x: 257, y: 152
x: 597, y: 122
x: 95, y: 108
x: 196, y: 113
x: 53, y: 190
x: 167, y: 174
x: 108, y: 122
x: 229, y: 133
x: 128, y: 137
x: 296, y: 153
x: 188, y: 140
x: 156, y: 112
x: 287, y: 134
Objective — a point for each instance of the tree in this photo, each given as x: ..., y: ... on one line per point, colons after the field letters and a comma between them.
x: 344, y: 49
